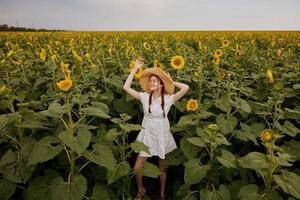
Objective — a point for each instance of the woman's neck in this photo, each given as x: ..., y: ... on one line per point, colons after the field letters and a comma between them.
x: 156, y: 94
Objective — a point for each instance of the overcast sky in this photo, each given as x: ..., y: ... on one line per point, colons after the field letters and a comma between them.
x: 130, y: 15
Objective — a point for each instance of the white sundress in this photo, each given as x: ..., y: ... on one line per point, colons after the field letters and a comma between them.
x: 155, y: 131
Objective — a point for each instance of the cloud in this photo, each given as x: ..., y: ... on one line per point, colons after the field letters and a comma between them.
x: 105, y: 15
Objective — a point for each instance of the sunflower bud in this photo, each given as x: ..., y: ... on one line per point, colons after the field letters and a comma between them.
x: 267, y: 135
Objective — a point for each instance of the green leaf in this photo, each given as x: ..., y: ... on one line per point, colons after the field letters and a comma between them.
x: 249, y: 132
x: 185, y: 193
x: 95, y: 111
x: 296, y: 86
x: 34, y: 120
x: 206, y: 194
x: 291, y: 114
x: 174, y: 158
x: 39, y: 188
x: 193, y: 172
x: 117, y: 120
x: 273, y: 195
x: 7, y: 189
x: 254, y: 160
x: 189, y: 151
x: 101, y: 106
x: 14, y: 164
x: 188, y: 120
x: 222, y: 194
x: 258, y: 108
x: 223, y: 103
x: 138, y: 146
x: 227, y: 159
x: 45, y: 149
x: 220, y: 139
x: 55, y: 110
x: 73, y: 190
x: 242, y: 104
x: 100, y: 192
x: 288, y: 128
x: 112, y: 134
x: 101, y: 155
x: 289, y: 182
x: 226, y: 126
x: 77, y: 143
x: 249, y: 192
x: 121, y: 169
x: 150, y: 170
x: 292, y: 148
x: 196, y: 141
x: 130, y: 127
x: 4, y: 120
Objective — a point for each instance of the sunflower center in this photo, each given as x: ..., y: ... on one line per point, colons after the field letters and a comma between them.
x: 177, y: 62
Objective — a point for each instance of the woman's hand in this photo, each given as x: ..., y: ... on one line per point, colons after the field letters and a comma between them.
x: 183, y: 90
x: 138, y: 63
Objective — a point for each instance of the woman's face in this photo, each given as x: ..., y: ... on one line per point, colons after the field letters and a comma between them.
x: 154, y: 83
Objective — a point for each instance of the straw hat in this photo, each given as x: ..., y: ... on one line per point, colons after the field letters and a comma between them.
x: 166, y: 79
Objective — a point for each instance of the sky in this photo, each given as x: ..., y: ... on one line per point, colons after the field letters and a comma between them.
x: 152, y: 15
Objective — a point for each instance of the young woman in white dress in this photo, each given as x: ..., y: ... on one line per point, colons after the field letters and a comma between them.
x: 157, y: 99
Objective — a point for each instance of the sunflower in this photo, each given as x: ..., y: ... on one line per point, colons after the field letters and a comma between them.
x: 213, y: 127
x: 65, y: 85
x: 270, y: 76
x: 89, y: 58
x: 3, y: 90
x: 155, y: 63
x: 110, y: 51
x: 216, y: 60
x: 238, y: 51
x: 200, y: 45
x: 77, y: 56
x: 65, y: 70
x: 198, y: 71
x: 267, y: 135
x: 10, y: 53
x: 146, y: 46
x: 279, y: 53
x: 237, y: 54
x: 15, y: 61
x: 238, y: 48
x: 54, y: 58
x: 9, y: 46
x: 139, y: 73
x: 192, y: 105
x: 177, y: 62
x: 225, y: 43
x: 218, y: 53
x: 273, y: 43
x: 43, y: 55
x: 221, y: 74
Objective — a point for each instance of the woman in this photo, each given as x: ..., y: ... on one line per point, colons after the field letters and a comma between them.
x: 157, y: 99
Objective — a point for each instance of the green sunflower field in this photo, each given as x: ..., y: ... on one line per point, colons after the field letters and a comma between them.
x: 68, y: 129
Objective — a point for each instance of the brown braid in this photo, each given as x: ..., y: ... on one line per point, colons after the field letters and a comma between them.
x: 150, y: 102
x: 162, y: 98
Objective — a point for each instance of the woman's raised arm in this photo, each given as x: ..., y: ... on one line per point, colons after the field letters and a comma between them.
x: 183, y: 90
x: 127, y: 85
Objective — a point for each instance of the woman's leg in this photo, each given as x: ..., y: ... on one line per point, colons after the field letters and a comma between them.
x: 163, y: 177
x: 138, y: 177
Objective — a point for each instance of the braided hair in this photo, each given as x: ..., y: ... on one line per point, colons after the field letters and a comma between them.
x: 162, y: 98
